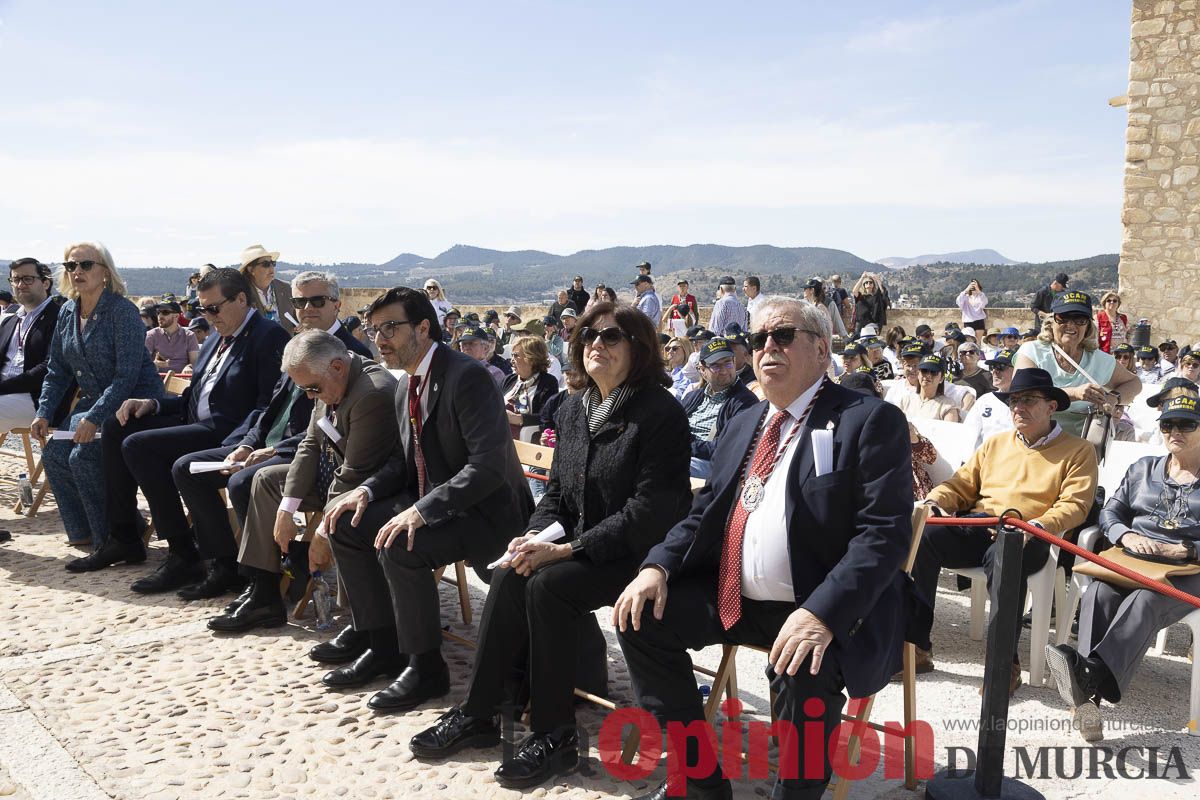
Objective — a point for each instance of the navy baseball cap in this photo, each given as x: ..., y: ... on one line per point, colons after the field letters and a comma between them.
x: 1003, y: 358
x: 932, y: 363
x: 715, y: 349
x: 1072, y: 303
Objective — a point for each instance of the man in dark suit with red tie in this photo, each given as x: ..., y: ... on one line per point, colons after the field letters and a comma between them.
x: 454, y: 490
x: 796, y: 544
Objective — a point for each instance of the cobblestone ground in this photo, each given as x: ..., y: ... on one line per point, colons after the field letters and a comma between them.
x: 104, y: 693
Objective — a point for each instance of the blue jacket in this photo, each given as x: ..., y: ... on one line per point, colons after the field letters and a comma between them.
x: 739, y: 399
x: 246, y: 381
x: 848, y: 531
x: 109, y: 361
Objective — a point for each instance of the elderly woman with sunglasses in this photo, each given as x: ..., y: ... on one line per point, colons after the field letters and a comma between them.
x: 617, y: 485
x: 1155, y: 512
x: 1066, y: 343
x: 99, y: 345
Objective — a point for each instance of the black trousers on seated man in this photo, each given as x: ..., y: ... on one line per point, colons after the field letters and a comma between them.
x: 141, y: 454
x: 394, y: 588
x: 959, y: 546
x: 545, y: 621
x: 201, y: 493
x: 665, y: 684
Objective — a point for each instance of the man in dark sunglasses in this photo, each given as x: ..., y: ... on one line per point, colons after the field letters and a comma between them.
x: 316, y: 298
x: 234, y: 376
x: 814, y: 470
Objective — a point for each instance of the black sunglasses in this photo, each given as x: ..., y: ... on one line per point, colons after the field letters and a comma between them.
x: 385, y: 329
x: 86, y: 266
x: 314, y: 389
x: 317, y: 300
x: 611, y: 336
x: 1072, y: 319
x: 781, y: 336
x: 1184, y: 425
x: 215, y: 308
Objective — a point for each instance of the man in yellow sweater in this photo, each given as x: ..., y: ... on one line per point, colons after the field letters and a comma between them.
x: 1045, y: 473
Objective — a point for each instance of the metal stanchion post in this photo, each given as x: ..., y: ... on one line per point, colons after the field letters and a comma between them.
x: 988, y: 780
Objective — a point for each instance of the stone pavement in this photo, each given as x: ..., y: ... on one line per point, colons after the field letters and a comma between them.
x: 104, y: 693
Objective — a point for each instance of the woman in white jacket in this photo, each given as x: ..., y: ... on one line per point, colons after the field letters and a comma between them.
x: 973, y: 304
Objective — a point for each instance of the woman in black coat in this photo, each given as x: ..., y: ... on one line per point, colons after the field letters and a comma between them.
x: 618, y: 483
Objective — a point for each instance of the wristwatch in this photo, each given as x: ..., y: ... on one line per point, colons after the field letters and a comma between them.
x: 1190, y: 547
x: 577, y: 548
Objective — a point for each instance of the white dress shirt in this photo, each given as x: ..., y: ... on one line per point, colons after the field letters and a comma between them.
x: 766, y: 561
x: 14, y: 364
x: 209, y: 379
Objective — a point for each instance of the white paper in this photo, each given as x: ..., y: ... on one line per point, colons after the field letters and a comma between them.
x: 291, y: 319
x: 67, y: 435
x: 197, y: 467
x: 551, y: 534
x: 822, y: 445
x: 325, y: 425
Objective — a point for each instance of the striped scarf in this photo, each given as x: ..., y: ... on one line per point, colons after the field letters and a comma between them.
x: 598, y: 412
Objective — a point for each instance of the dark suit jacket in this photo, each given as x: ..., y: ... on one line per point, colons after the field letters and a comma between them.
x: 848, y: 531
x: 740, y: 398
x: 37, y: 355
x: 620, y: 491
x: 545, y: 388
x: 470, y: 460
x: 246, y: 381
x: 367, y: 423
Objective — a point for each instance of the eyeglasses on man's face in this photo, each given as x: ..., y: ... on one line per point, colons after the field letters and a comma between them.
x: 24, y: 280
x: 386, y: 329
x: 215, y: 308
x: 1023, y: 400
x: 317, y: 301
x: 781, y: 336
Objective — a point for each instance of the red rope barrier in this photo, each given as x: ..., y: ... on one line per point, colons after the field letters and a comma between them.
x: 1074, y: 549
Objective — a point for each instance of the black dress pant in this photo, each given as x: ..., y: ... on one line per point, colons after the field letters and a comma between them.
x: 395, y: 586
x: 540, y: 617
x: 201, y: 493
x: 958, y: 546
x: 141, y: 454
x: 661, y: 671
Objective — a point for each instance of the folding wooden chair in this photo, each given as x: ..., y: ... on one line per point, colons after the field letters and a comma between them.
x: 725, y: 682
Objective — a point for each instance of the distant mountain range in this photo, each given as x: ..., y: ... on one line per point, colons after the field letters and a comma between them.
x: 985, y: 257
x: 475, y: 275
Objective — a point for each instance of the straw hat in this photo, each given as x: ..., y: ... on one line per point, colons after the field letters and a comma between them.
x: 256, y: 251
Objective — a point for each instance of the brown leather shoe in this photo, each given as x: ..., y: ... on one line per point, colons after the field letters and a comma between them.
x: 1014, y: 679
x: 923, y: 664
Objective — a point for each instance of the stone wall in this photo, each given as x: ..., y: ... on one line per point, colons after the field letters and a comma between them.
x: 1160, y: 252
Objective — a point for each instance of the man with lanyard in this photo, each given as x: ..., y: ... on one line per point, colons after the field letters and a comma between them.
x: 25, y: 337
x: 172, y: 347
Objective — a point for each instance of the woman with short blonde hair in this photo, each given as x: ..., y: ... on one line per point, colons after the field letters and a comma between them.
x: 103, y: 258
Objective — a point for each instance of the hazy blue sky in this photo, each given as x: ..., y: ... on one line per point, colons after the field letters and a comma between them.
x: 180, y: 133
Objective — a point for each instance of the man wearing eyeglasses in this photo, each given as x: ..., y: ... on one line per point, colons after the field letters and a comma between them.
x: 25, y: 337
x: 351, y: 435
x: 796, y: 544
x: 171, y: 346
x: 265, y: 438
x: 234, y: 375
x: 1055, y: 490
x: 714, y: 403
x: 453, y: 490
x: 990, y: 415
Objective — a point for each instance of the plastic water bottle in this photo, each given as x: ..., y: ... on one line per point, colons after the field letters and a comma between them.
x: 324, y: 597
x: 26, y: 489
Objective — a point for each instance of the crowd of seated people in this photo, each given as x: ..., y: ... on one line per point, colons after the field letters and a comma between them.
x: 394, y: 430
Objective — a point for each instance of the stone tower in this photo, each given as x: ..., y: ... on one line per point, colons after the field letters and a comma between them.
x: 1160, y: 252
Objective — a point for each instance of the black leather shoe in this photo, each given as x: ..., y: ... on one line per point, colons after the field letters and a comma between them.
x: 250, y: 615
x: 111, y: 552
x: 348, y: 645
x: 411, y: 689
x: 454, y: 731
x: 363, y: 670
x: 221, y: 578
x: 538, y: 759
x: 722, y: 792
x: 240, y: 599
x: 174, y: 573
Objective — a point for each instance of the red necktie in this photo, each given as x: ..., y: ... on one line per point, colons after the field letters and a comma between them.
x: 414, y: 419
x: 729, y: 585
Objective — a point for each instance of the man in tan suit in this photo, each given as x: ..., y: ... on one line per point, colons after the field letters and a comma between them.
x: 351, y: 434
